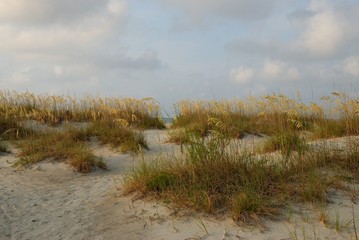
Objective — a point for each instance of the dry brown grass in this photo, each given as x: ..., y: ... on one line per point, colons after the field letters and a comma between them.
x: 335, y: 115
x: 52, y: 109
x: 112, y: 121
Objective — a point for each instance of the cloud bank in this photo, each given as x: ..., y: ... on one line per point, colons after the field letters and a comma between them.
x: 172, y: 49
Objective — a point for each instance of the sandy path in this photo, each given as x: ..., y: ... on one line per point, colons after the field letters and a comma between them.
x: 50, y: 201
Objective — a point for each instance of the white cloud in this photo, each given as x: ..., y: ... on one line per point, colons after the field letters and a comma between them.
x: 323, y: 35
x: 272, y: 69
x: 351, y: 66
x: 68, y: 44
x: 321, y: 31
x: 51, y: 27
x: 54, y: 39
x: 118, y: 7
x: 91, y: 39
x: 278, y: 71
x: 242, y: 74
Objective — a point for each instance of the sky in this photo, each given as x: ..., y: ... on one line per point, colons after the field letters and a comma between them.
x: 180, y: 49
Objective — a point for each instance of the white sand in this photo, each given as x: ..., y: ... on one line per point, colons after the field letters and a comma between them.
x: 51, y: 201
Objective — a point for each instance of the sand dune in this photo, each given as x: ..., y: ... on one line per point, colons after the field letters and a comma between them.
x: 51, y: 201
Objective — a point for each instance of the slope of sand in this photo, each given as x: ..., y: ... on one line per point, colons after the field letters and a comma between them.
x: 51, y: 201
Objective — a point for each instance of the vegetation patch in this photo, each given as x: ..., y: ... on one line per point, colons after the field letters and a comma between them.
x: 53, y: 110
x: 67, y: 146
x: 285, y: 142
x: 118, y: 134
x: 113, y: 121
x: 215, y: 179
x: 334, y: 116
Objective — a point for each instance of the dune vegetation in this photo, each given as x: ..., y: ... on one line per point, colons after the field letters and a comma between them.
x: 295, y: 163
x: 214, y: 174
x: 333, y: 116
x: 52, y: 109
x: 41, y: 126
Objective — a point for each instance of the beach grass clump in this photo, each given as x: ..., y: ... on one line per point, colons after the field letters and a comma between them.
x: 118, y: 134
x: 54, y: 109
x: 286, y: 142
x: 69, y: 146
x: 65, y: 143
x: 344, y: 160
x: 348, y: 109
x: 217, y: 179
x: 194, y: 115
x: 177, y: 136
x: 335, y: 115
x: 242, y: 117
x: 327, y: 128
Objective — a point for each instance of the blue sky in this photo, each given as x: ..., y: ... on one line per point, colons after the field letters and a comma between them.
x: 179, y: 49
